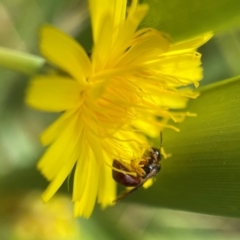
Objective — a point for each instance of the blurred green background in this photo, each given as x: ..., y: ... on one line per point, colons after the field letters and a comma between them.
x: 22, y: 215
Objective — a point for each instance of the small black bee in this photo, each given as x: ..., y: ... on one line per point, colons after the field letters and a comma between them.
x: 151, y: 166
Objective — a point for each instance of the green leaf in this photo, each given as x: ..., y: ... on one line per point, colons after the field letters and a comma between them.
x: 203, y: 174
x: 186, y: 18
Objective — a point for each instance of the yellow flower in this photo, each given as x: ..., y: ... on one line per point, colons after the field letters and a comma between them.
x: 33, y: 220
x: 110, y: 100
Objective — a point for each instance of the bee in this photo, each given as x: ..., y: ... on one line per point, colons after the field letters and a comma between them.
x: 150, y: 164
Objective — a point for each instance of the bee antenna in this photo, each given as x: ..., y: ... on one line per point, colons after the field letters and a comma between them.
x: 161, y: 140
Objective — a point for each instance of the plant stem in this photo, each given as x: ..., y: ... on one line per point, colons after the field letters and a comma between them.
x: 20, y: 62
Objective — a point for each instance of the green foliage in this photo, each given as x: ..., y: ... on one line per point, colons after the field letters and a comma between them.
x: 203, y: 173
x: 186, y: 18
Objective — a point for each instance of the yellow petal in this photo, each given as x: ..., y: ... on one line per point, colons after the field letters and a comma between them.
x: 125, y: 35
x: 107, y: 186
x: 148, y: 127
x: 53, y: 93
x: 56, y: 183
x: 145, y: 49
x: 55, y: 129
x: 92, y: 136
x: 85, y: 206
x: 66, y: 53
x: 100, y: 9
x: 182, y: 67
x: 66, y: 149
x: 69, y: 159
x: 103, y: 44
x: 57, y: 154
x: 81, y: 171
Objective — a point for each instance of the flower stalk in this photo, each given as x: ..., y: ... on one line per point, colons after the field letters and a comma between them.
x: 25, y: 63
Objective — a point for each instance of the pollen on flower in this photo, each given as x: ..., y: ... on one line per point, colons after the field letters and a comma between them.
x: 111, y: 100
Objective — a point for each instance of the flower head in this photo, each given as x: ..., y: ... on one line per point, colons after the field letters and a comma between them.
x: 111, y: 99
